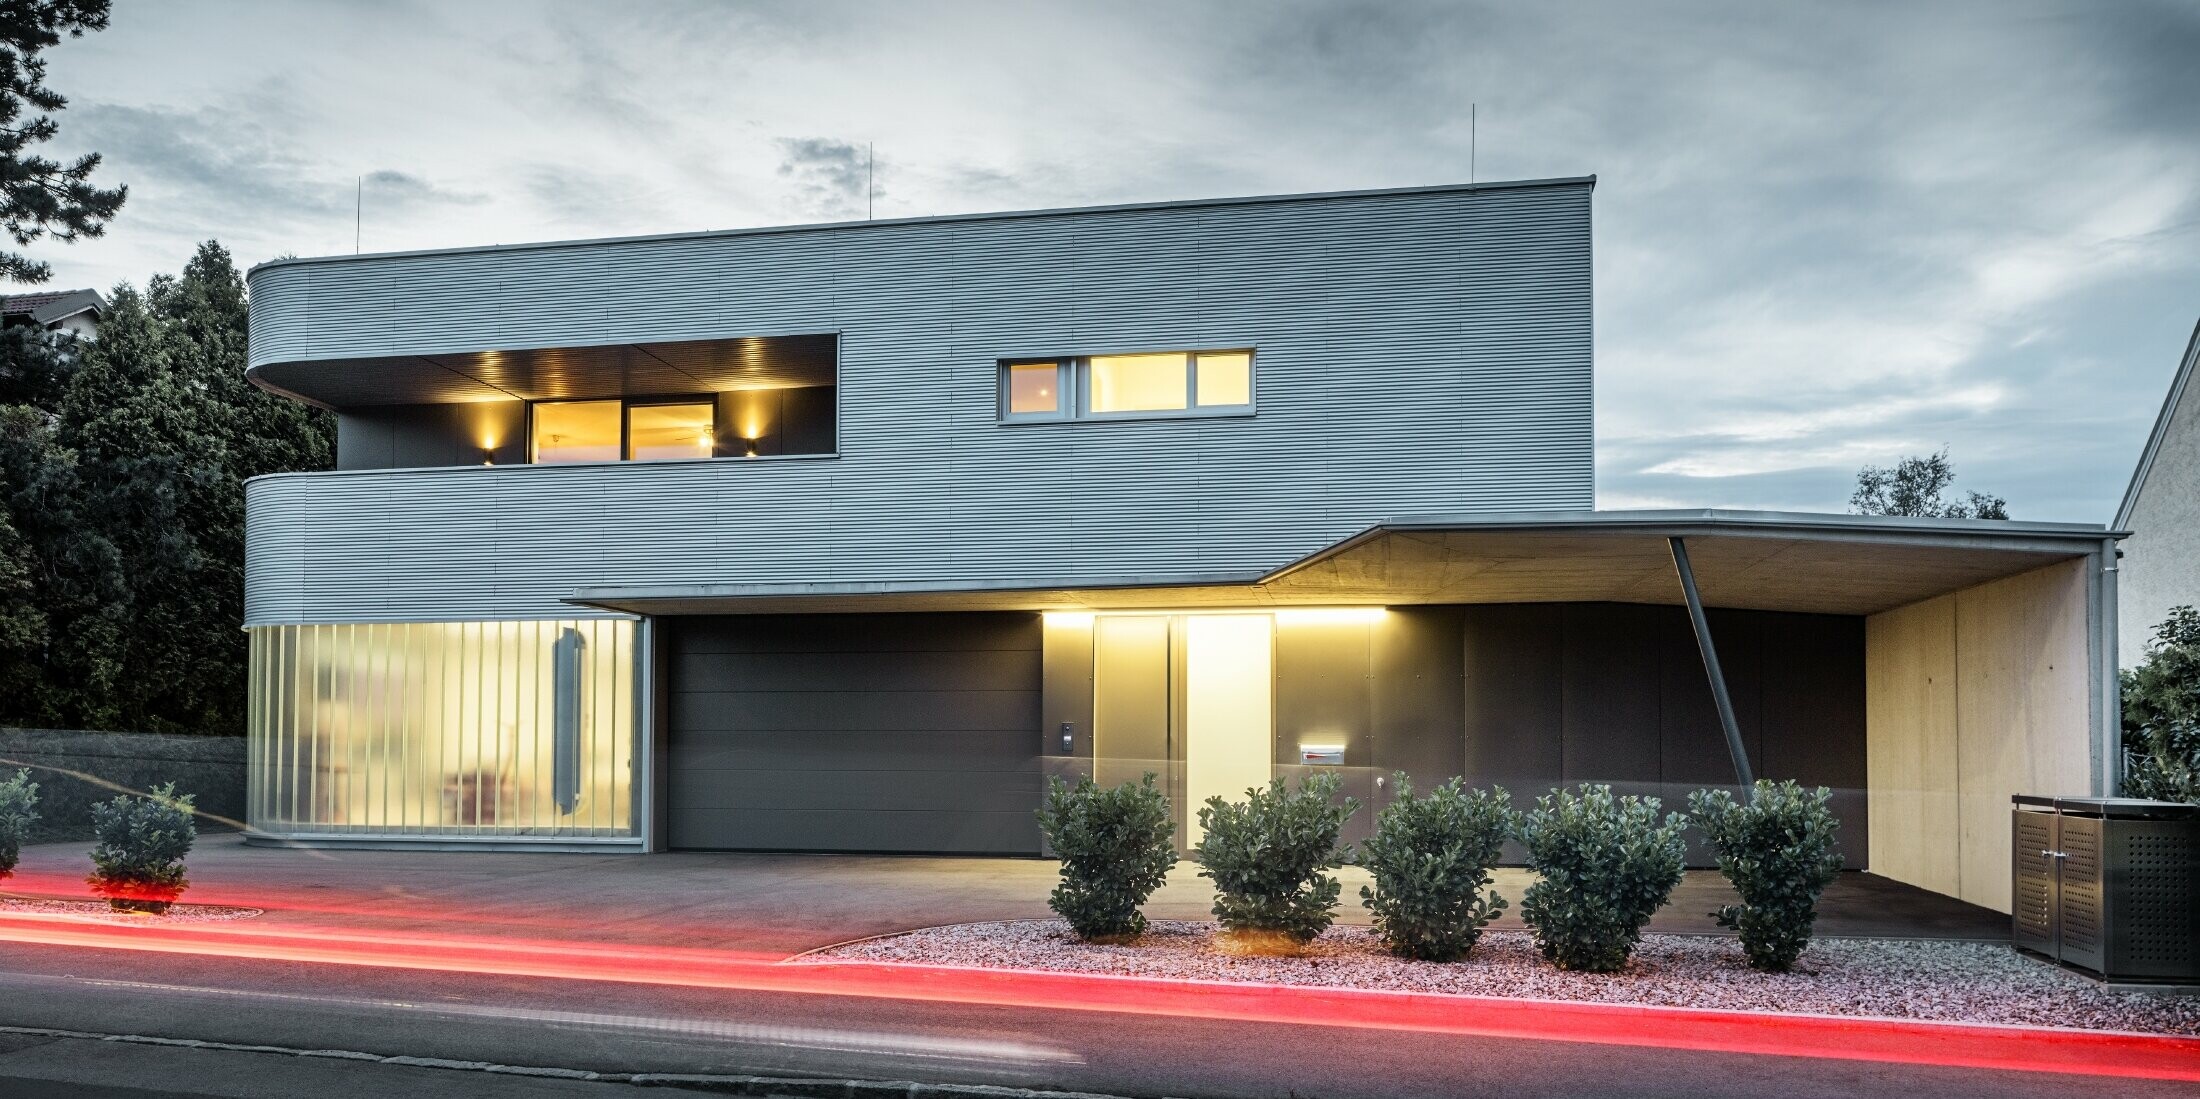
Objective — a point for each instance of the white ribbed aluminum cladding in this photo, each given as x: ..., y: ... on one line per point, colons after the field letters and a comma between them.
x: 1417, y: 351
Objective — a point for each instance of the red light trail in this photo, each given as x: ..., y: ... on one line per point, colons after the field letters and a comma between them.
x: 1983, y: 1046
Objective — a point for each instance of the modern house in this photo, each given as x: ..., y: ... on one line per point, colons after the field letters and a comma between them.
x: 843, y: 537
x: 2161, y: 509
x: 76, y: 312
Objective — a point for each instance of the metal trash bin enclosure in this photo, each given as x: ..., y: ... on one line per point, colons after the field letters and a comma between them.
x: 2108, y: 885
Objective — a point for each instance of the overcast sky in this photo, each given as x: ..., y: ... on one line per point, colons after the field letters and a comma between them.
x: 1826, y: 234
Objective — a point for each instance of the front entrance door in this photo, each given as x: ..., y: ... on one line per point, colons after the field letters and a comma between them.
x: 1189, y: 698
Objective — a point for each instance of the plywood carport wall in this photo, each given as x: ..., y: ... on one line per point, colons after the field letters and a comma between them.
x: 1971, y: 697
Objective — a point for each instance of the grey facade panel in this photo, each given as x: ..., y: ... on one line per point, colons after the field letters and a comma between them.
x: 855, y: 733
x: 1422, y: 352
x: 1615, y: 693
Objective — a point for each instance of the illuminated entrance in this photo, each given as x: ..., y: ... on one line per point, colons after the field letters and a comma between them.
x: 1189, y: 698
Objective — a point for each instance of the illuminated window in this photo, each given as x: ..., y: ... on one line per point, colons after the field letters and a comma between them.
x: 685, y: 430
x: 1137, y: 383
x: 1035, y: 390
x: 1147, y: 384
x: 575, y: 431
x: 1223, y: 378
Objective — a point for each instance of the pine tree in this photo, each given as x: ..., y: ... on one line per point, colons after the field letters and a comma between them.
x: 41, y: 197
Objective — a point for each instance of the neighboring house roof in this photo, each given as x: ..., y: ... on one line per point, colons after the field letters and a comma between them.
x: 49, y: 306
x: 2161, y: 429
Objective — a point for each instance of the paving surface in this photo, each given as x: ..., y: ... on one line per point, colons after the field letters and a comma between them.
x: 786, y: 904
x: 774, y: 906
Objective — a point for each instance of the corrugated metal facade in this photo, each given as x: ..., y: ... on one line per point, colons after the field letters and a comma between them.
x: 1416, y: 352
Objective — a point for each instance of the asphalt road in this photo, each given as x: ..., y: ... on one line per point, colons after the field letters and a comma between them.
x: 615, y: 1027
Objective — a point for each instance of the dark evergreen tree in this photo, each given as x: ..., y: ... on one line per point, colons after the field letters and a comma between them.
x: 122, y: 509
x: 40, y: 197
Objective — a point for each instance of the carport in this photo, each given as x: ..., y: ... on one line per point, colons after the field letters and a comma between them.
x: 1986, y: 666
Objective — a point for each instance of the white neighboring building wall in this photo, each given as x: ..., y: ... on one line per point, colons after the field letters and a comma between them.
x: 2161, y: 509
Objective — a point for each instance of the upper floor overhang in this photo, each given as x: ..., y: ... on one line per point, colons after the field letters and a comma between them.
x: 558, y: 373
x: 1749, y: 560
x: 756, y: 307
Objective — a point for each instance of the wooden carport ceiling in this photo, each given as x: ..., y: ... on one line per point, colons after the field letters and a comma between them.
x: 1744, y: 560
x: 1748, y: 571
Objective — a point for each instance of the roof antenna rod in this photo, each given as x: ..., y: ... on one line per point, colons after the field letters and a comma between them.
x: 358, y: 209
x: 870, y: 166
x: 1474, y: 126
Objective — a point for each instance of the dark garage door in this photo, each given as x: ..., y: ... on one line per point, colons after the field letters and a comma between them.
x: 909, y: 733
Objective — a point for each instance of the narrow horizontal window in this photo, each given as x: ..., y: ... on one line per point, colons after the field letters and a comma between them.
x: 1145, y: 384
x: 1137, y: 383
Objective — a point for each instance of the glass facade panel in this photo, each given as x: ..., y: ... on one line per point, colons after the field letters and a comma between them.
x: 671, y: 430
x: 1225, y: 378
x: 1034, y: 389
x: 574, y: 431
x: 1138, y: 383
x: 461, y: 729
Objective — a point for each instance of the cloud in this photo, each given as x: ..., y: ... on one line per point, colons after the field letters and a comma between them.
x: 1823, y: 237
x: 829, y: 177
x: 406, y: 189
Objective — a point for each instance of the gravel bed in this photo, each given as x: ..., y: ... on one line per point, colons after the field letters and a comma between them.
x: 98, y: 910
x: 1887, y: 978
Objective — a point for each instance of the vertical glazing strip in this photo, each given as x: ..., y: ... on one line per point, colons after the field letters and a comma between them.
x: 392, y: 695
x: 358, y: 699
x: 438, y: 778
x: 533, y: 656
x: 255, y: 712
x: 295, y: 734
x: 500, y: 720
x: 416, y: 649
x: 544, y: 754
x: 311, y: 815
x: 619, y: 730
x: 470, y: 798
x: 398, y: 764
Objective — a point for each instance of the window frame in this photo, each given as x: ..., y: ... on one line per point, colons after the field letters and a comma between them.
x: 530, y: 428
x: 626, y: 424
x: 1065, y: 390
x: 626, y: 435
x: 1074, y: 381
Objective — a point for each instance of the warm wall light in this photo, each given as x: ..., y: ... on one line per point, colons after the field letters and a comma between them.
x: 1329, y: 616
x: 1069, y: 619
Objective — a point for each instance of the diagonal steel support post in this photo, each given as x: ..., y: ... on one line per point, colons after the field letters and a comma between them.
x: 1711, y: 669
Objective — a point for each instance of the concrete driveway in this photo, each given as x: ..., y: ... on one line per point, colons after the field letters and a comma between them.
x: 779, y: 905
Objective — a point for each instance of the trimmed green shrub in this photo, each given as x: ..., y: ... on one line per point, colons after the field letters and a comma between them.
x: 1778, y: 850
x: 1266, y: 856
x: 18, y: 811
x: 1606, y: 863
x: 138, y: 864
x: 1115, y: 850
x: 1431, y: 857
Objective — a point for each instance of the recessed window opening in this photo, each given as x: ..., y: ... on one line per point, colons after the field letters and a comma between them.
x: 1146, y: 384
